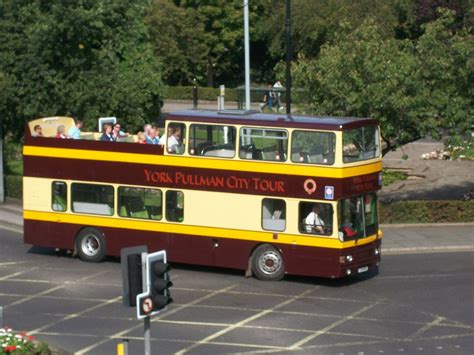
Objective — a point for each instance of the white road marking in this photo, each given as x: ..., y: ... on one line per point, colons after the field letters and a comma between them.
x: 123, y: 332
x: 318, y: 333
x: 243, y: 322
x: 12, y: 263
x: 11, y: 229
x: 7, y: 277
x: 427, y: 326
x: 75, y: 315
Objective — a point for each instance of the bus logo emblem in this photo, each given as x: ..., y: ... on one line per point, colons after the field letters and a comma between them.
x: 310, y: 186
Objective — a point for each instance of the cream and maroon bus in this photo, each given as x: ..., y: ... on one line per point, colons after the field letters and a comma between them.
x: 269, y: 194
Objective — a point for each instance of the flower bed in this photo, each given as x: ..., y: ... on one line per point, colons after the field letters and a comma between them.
x: 20, y: 343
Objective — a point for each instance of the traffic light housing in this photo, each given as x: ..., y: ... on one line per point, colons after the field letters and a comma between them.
x: 160, y: 284
x: 156, y: 296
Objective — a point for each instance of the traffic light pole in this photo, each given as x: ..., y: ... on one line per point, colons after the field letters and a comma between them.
x: 146, y: 320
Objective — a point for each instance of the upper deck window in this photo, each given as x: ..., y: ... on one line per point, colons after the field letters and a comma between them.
x: 313, y: 147
x: 360, y: 144
x: 212, y: 140
x: 263, y: 144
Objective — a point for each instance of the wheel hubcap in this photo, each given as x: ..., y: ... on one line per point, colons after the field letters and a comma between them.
x: 90, y: 245
x: 270, y: 262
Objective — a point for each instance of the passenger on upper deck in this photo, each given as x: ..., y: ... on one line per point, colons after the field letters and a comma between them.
x: 152, y: 137
x: 37, y: 131
x: 164, y: 136
x: 107, y: 134
x: 117, y: 133
x: 141, y: 138
x: 174, y: 140
x: 146, y: 128
x: 75, y: 131
x: 60, y: 132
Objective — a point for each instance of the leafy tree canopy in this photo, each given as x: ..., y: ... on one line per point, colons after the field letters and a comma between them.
x: 82, y: 58
x: 413, y: 88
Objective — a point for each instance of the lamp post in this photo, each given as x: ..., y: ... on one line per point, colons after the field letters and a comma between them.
x: 2, y: 186
x: 247, y: 54
x: 288, y: 56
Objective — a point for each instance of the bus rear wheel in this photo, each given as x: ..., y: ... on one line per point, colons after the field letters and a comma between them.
x: 90, y: 245
x: 267, y: 263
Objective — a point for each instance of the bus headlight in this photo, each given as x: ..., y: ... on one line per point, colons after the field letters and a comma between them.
x: 376, y: 251
x: 349, y: 258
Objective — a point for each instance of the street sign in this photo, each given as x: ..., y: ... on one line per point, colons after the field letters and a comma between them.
x: 147, y: 305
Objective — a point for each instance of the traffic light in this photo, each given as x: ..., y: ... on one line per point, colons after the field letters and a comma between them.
x: 160, y: 284
x: 156, y: 295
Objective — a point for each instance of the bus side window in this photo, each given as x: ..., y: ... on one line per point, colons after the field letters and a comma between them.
x: 136, y: 202
x: 92, y: 199
x: 175, y: 138
x: 59, y: 196
x: 174, y: 206
x: 273, y: 214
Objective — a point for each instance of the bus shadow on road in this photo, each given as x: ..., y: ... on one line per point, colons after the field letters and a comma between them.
x: 219, y: 272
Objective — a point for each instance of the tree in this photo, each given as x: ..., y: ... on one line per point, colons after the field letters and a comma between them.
x: 398, y: 82
x: 446, y: 58
x: 205, y: 37
x: 179, y: 41
x: 86, y: 59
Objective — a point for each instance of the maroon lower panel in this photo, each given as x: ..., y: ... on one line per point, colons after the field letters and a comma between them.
x: 222, y: 252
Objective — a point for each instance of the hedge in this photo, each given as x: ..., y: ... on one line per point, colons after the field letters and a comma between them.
x: 204, y: 93
x: 14, y: 186
x: 427, y: 212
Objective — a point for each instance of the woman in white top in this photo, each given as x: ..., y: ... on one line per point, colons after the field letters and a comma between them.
x: 174, y: 141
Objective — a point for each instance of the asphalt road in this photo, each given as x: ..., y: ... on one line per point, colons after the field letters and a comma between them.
x: 417, y: 304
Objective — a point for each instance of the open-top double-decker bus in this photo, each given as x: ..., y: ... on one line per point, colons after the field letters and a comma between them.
x: 269, y: 194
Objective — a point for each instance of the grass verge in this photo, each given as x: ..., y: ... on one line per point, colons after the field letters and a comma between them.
x: 391, y: 176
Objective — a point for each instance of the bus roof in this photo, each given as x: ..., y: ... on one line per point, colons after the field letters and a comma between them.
x: 276, y: 120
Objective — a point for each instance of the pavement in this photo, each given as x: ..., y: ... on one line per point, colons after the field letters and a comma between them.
x: 427, y: 179
x: 397, y: 238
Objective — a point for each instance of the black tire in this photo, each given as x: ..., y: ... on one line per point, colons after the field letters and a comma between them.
x: 267, y: 263
x: 90, y: 245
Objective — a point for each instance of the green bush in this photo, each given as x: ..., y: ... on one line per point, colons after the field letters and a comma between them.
x: 14, y: 168
x: 427, y: 212
x: 204, y: 93
x: 13, y: 186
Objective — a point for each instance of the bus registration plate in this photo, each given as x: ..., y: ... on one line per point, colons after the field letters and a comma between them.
x: 362, y: 269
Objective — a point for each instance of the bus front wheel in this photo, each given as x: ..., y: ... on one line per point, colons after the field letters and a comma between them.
x: 267, y: 263
x: 90, y: 245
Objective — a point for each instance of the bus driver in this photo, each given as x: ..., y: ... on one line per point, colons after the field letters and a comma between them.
x: 313, y: 221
